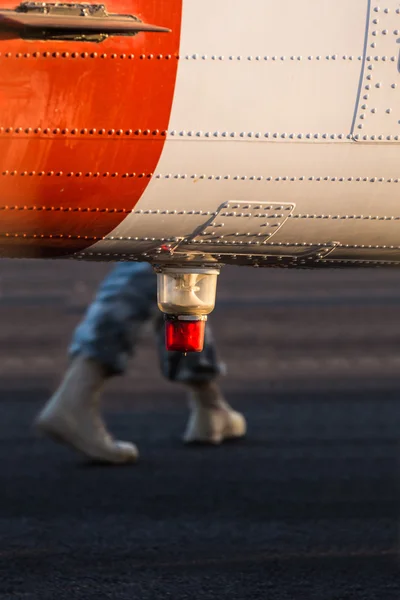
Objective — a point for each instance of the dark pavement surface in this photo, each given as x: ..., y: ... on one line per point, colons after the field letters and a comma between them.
x: 306, y: 508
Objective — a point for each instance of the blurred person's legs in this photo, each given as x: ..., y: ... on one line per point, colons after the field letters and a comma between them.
x: 100, y: 349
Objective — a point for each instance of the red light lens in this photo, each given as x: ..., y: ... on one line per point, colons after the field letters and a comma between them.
x: 184, y: 336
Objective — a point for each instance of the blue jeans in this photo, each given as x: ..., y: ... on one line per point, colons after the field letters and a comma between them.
x: 109, y: 331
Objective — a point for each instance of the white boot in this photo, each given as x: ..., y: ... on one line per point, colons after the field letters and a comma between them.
x: 212, y: 420
x: 72, y: 416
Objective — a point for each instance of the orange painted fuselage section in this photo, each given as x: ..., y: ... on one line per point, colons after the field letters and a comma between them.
x: 82, y: 127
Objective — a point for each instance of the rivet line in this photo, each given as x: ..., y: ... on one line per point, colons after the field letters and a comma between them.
x: 82, y: 131
x: 142, y: 212
x: 203, y: 176
x: 152, y: 134
x: 63, y: 54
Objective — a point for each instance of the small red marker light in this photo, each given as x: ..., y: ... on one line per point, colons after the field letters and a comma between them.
x: 184, y: 334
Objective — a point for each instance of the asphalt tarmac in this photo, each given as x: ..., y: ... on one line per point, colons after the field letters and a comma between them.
x: 307, y: 507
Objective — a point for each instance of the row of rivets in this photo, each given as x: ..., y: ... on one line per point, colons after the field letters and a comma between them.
x: 345, y: 217
x: 85, y: 55
x: 267, y: 243
x: 58, y: 236
x: 195, y: 56
x: 278, y: 135
x: 201, y: 177
x: 137, y: 239
x: 259, y: 58
x: 198, y: 212
x: 204, y: 57
x: 387, y: 138
x: 384, y: 32
x: 381, y: 58
x: 67, y: 209
x: 76, y: 174
x: 374, y: 110
x: 358, y: 262
x: 174, y: 212
x: 259, y: 135
x: 108, y: 210
x: 325, y: 245
x: 192, y: 134
x: 84, y: 131
x: 258, y: 207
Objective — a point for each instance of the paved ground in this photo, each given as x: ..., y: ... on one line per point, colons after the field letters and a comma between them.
x: 306, y: 508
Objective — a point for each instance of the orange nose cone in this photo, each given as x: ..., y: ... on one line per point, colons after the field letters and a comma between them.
x: 184, y: 336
